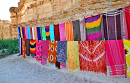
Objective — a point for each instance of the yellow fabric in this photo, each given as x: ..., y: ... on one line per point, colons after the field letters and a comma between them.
x: 21, y: 32
x: 73, y: 61
x: 127, y: 50
x: 32, y: 43
x: 32, y: 49
x: 94, y: 24
x: 47, y: 33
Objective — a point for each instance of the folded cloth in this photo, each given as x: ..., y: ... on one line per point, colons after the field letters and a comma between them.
x: 38, y: 33
x: 83, y: 30
x: 56, y: 32
x: 115, y: 58
x: 51, y: 29
x: 38, y: 50
x: 47, y: 32
x: 112, y: 28
x: 28, y: 47
x: 127, y: 55
x: 93, y: 27
x: 76, y: 30
x: 33, y: 48
x: 24, y: 47
x: 62, y: 32
x: 69, y: 31
x: 44, y: 57
x: 92, y: 56
x: 43, y: 33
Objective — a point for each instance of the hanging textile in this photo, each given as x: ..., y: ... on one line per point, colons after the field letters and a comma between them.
x: 113, y: 25
x: 62, y: 32
x: 92, y: 56
x: 83, y: 30
x: 35, y: 33
x: 43, y: 33
x: 29, y: 33
x: 57, y: 64
x: 62, y: 53
x: 93, y: 27
x: 38, y: 50
x: 47, y: 32
x: 23, y: 47
x: 52, y: 51
x: 125, y: 26
x: 115, y: 58
x: 69, y: 31
x: 127, y: 15
x: 56, y: 32
x: 26, y: 33
x: 76, y: 30
x: 73, y: 55
x: 33, y: 48
x: 21, y: 31
x: 38, y: 33
x: 51, y: 28
x: 20, y: 45
x: 45, y: 47
x: 127, y: 55
x: 27, y: 47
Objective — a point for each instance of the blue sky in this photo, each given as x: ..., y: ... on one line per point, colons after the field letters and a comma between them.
x: 4, y: 8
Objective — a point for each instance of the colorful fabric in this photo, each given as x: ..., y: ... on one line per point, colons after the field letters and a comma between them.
x: 69, y: 31
x: 76, y: 30
x: 93, y: 27
x: 35, y: 33
x: 23, y: 47
x: 62, y: 53
x: 27, y: 47
x: 127, y: 14
x: 33, y: 48
x: 43, y: 33
x: 52, y: 37
x: 45, y: 48
x: 26, y: 33
x: 47, y: 32
x: 92, y: 56
x: 38, y: 33
x: 83, y: 30
x: 112, y: 25
x: 29, y: 33
x: 62, y: 32
x: 57, y: 64
x: 56, y: 32
x: 73, y: 55
x: 38, y: 50
x: 127, y: 56
x: 115, y: 58
x: 21, y: 31
x: 52, y: 51
x: 20, y: 45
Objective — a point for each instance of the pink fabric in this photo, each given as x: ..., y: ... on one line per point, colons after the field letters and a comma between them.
x: 26, y: 32
x: 45, y: 47
x: 93, y: 36
x: 115, y: 58
x: 63, y: 65
x: 38, y: 50
x: 125, y: 26
x: 62, y: 31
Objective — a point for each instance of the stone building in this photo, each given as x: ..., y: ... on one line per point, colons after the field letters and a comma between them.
x: 32, y: 13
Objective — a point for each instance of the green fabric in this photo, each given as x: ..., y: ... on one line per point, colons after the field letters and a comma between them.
x: 47, y: 37
x: 93, y: 30
x: 43, y: 33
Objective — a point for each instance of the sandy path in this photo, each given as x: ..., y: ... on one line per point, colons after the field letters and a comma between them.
x: 14, y: 69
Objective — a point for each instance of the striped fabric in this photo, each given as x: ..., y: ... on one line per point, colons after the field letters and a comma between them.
x: 62, y: 32
x: 24, y: 47
x: 33, y: 48
x: 47, y: 32
x: 52, y: 37
x: 115, y: 58
x: 38, y: 50
x: 69, y: 31
x: 93, y: 27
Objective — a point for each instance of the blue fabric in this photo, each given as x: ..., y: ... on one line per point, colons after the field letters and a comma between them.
x: 61, y: 51
x: 19, y: 34
x: 52, y: 37
x: 38, y: 33
x: 29, y: 33
x: 23, y: 32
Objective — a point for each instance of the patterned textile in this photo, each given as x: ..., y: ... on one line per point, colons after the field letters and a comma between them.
x: 112, y: 28
x: 45, y: 47
x: 93, y: 27
x: 127, y: 14
x: 23, y: 47
x: 47, y: 32
x: 29, y: 33
x: 62, y: 31
x: 35, y: 33
x: 62, y: 53
x: 83, y: 30
x: 56, y: 32
x: 27, y: 47
x: 52, y: 37
x: 115, y: 58
x: 73, y: 55
x: 69, y: 31
x: 43, y: 33
x: 52, y: 51
x: 76, y: 30
x: 33, y: 48
x: 127, y: 55
x: 38, y: 50
x: 38, y: 33
x: 92, y: 56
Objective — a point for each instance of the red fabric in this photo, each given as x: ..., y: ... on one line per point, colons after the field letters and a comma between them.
x: 92, y: 56
x: 24, y: 32
x: 56, y: 32
x: 127, y: 12
x: 23, y: 47
x: 31, y: 32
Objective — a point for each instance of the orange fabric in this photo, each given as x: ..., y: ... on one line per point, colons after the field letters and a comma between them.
x: 35, y: 33
x: 69, y: 31
x: 23, y: 48
x: 52, y: 51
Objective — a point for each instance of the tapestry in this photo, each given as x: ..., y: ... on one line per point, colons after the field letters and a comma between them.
x: 62, y: 32
x: 33, y: 48
x: 56, y: 32
x: 83, y: 30
x: 38, y: 50
x: 52, y: 37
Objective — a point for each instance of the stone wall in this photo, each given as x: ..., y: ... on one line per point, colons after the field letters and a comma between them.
x: 32, y: 13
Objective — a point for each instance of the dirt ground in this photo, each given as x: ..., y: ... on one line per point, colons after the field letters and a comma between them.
x: 15, y: 69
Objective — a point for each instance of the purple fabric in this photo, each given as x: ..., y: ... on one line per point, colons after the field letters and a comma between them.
x: 94, y: 19
x: 47, y: 29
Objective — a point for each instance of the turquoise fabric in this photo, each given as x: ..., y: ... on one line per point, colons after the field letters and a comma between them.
x: 52, y: 37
